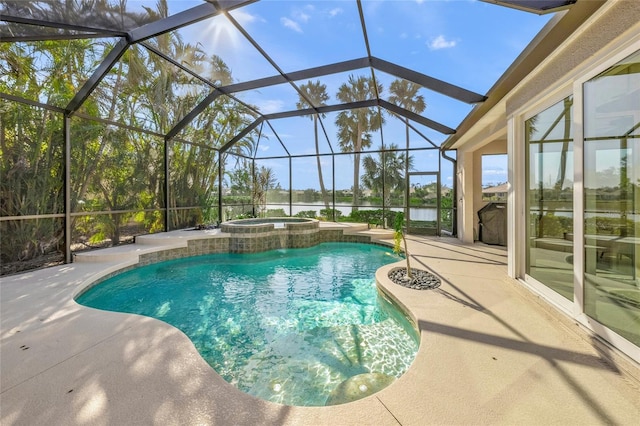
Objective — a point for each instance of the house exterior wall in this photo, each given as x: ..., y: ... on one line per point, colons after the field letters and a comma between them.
x: 611, y: 35
x: 494, y: 147
x: 470, y: 179
x: 600, y: 33
x: 464, y: 180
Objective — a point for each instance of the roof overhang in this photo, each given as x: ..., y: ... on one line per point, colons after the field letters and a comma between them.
x: 554, y: 34
x: 539, y: 7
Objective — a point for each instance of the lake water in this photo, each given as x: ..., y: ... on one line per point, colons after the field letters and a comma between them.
x: 422, y: 213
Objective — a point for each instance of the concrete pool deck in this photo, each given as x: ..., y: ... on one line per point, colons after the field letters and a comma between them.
x: 490, y: 353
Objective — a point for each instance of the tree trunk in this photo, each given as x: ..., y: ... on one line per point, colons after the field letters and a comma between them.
x: 407, y: 190
x: 115, y: 234
x: 325, y: 198
x: 406, y: 255
x: 565, y: 145
x: 356, y: 170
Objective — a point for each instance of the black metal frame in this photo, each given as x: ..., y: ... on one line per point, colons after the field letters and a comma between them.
x: 213, y: 8
x: 204, y: 11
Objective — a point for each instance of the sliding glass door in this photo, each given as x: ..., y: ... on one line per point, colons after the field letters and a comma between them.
x: 612, y: 198
x: 549, y: 183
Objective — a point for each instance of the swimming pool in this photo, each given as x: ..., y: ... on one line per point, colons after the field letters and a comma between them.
x: 291, y: 326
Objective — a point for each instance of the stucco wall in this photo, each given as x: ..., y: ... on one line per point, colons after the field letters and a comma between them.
x: 469, y: 180
x: 620, y: 16
x: 495, y: 147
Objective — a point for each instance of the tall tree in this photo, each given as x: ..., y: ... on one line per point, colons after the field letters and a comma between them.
x: 264, y: 179
x: 32, y: 142
x: 386, y: 175
x: 405, y: 94
x: 317, y: 94
x: 355, y: 126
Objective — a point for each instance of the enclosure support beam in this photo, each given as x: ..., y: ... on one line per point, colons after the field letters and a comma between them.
x: 253, y: 188
x: 417, y: 118
x: 290, y: 189
x: 439, y: 199
x: 384, y: 174
x: 427, y: 82
x: 173, y: 22
x: 220, y: 187
x: 166, y: 184
x: 240, y: 135
x: 191, y: 115
x: 333, y: 179
x: 66, y: 128
x: 90, y: 31
x: 454, y: 205
x: 103, y: 69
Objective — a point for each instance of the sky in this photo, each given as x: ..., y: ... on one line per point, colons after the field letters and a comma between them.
x: 463, y: 42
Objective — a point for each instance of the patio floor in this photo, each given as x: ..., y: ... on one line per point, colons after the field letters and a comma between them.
x: 490, y: 353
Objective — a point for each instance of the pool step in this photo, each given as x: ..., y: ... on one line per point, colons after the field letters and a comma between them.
x: 376, y: 234
x: 181, y: 236
x: 124, y: 253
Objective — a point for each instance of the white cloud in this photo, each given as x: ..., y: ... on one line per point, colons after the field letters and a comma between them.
x: 335, y: 12
x: 441, y: 42
x: 300, y: 16
x: 245, y: 18
x: 291, y: 24
x: 494, y: 172
x: 270, y: 106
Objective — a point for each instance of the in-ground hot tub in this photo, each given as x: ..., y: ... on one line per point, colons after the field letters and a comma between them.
x: 270, y: 222
x: 255, y: 235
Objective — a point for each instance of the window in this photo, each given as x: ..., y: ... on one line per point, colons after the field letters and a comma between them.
x: 494, y: 177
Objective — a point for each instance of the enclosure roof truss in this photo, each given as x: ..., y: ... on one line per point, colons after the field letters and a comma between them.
x: 19, y: 28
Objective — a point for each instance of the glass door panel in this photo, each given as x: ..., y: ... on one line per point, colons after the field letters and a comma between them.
x: 612, y: 198
x: 424, y: 203
x: 550, y: 197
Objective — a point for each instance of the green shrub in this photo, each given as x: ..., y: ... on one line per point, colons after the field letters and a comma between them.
x: 328, y: 214
x: 275, y: 213
x: 311, y: 214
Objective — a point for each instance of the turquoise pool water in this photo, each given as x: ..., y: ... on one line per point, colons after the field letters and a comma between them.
x: 288, y: 326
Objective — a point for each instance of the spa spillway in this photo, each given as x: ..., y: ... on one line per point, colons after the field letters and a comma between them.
x: 256, y: 235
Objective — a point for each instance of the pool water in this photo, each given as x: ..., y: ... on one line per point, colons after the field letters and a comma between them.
x: 287, y: 326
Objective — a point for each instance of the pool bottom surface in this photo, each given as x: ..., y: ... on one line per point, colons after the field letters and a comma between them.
x: 288, y: 326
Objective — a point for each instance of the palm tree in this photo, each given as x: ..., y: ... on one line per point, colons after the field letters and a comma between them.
x: 317, y: 94
x: 264, y: 179
x: 405, y: 94
x: 354, y: 126
x: 387, y: 174
x: 566, y: 113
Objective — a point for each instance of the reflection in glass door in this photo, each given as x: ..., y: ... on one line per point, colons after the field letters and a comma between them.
x: 424, y: 215
x: 549, y: 178
x: 612, y: 198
